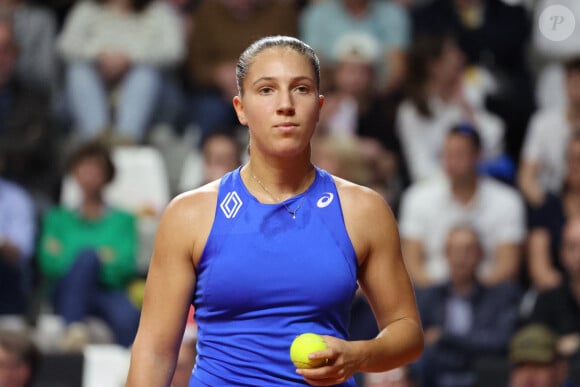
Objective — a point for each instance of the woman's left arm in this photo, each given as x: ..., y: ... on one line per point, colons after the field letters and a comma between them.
x: 384, y: 280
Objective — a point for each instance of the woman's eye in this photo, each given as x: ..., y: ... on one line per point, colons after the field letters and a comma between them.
x: 265, y: 90
x: 302, y: 89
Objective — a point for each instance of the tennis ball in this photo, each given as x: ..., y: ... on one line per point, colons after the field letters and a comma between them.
x: 302, y: 346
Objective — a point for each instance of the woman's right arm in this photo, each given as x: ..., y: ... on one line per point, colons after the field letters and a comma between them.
x: 170, y: 284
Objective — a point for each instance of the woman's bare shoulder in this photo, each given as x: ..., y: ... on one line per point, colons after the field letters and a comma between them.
x: 359, y: 196
x: 197, y: 203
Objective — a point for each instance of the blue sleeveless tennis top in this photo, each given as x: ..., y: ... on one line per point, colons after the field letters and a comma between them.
x: 264, y: 278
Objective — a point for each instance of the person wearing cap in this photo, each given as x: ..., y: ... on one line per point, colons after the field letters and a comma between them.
x: 429, y: 209
x: 534, y: 359
x: 323, y: 24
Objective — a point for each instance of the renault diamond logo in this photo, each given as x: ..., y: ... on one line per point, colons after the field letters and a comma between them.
x: 231, y: 204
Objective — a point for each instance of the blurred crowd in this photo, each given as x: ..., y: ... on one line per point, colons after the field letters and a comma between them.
x: 461, y: 113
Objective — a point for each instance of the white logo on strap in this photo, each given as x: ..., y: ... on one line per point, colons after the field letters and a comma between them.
x: 325, y: 200
x: 231, y: 204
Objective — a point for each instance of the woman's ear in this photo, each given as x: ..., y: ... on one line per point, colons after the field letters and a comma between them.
x: 239, y: 108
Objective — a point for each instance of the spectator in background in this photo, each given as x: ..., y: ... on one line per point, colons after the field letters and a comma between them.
x: 19, y: 360
x: 221, y: 152
x: 35, y: 34
x: 361, y: 160
x: 463, y: 319
x: 116, y: 53
x: 353, y: 107
x: 559, y: 308
x: 534, y: 359
x: 431, y: 208
x: 546, y: 223
x: 494, y: 37
x: 352, y: 92
x: 323, y: 24
x: 436, y: 101
x: 17, y: 236
x: 87, y: 254
x: 222, y: 30
x: 28, y: 138
x: 542, y: 165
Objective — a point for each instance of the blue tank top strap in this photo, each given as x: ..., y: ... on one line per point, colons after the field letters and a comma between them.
x: 325, y: 197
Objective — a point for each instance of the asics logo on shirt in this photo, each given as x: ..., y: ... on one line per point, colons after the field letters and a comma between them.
x: 231, y: 204
x: 325, y: 200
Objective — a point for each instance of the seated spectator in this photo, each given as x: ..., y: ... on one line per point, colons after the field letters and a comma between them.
x: 324, y: 24
x: 19, y: 360
x: 222, y: 30
x: 542, y: 166
x: 116, y: 53
x: 559, y: 308
x: 463, y: 319
x: 28, y: 138
x: 17, y: 236
x: 352, y: 91
x: 547, y: 221
x: 534, y: 359
x: 436, y: 101
x: 35, y: 34
x: 431, y: 208
x: 221, y: 152
x: 354, y: 108
x: 494, y: 36
x: 87, y: 254
x: 361, y: 160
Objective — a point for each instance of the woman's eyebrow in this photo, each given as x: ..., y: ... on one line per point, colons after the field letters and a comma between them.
x: 268, y: 79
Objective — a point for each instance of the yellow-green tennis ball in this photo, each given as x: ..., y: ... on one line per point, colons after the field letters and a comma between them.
x: 302, y: 346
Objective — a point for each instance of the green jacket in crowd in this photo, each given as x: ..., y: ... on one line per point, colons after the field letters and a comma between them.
x: 113, y: 236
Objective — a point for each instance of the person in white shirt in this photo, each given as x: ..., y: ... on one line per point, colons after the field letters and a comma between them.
x: 116, y: 53
x: 431, y: 208
x: 542, y: 165
x: 437, y: 100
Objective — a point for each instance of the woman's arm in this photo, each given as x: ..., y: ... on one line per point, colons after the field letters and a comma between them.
x: 169, y: 289
x: 386, y: 284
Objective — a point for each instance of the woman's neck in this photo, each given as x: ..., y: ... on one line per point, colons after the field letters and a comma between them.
x: 279, y: 179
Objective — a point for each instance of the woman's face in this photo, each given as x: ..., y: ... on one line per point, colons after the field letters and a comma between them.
x: 280, y: 103
x: 90, y: 175
x: 449, y: 66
